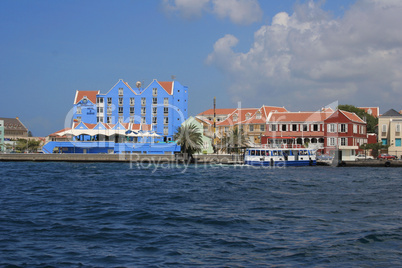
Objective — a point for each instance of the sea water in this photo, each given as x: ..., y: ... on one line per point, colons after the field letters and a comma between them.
x: 144, y: 215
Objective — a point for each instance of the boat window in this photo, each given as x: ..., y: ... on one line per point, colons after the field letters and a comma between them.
x: 279, y: 152
x: 263, y: 153
x: 257, y: 152
x: 252, y: 152
x: 275, y: 152
x: 267, y: 153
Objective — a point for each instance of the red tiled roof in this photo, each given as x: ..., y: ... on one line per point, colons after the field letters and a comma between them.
x: 167, y: 86
x: 91, y: 95
x: 352, y: 116
x: 300, y: 117
x: 57, y: 132
x: 375, y: 111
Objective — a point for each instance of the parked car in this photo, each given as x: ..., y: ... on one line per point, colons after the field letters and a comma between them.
x: 387, y: 156
x: 363, y: 157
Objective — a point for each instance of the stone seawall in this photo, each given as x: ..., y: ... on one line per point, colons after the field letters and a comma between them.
x: 201, y: 159
x: 222, y: 159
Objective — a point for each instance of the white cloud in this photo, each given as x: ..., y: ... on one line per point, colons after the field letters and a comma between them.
x: 310, y: 56
x: 238, y: 11
x: 187, y: 8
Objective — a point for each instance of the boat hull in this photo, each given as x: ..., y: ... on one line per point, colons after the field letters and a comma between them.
x: 282, y: 163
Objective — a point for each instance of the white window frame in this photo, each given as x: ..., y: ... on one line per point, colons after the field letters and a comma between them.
x: 166, y: 101
x: 384, y: 128
x: 132, y: 101
x: 79, y: 110
x: 121, y: 91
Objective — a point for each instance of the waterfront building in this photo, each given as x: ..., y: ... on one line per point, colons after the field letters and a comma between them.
x: 344, y: 132
x: 14, y: 129
x: 124, y: 120
x: 2, y: 149
x: 389, y: 131
x: 251, y: 120
x: 297, y: 128
x: 163, y: 105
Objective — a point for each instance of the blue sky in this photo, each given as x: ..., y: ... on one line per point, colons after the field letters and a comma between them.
x: 299, y: 54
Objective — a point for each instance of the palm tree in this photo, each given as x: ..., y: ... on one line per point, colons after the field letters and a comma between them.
x: 189, y: 138
x: 235, y: 140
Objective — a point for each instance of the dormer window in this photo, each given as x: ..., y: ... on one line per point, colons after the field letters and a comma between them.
x: 248, y: 116
x: 235, y: 118
x: 258, y: 115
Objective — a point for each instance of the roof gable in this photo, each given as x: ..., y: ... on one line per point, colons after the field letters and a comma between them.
x: 392, y: 113
x: 167, y: 86
x: 90, y: 95
x: 81, y: 125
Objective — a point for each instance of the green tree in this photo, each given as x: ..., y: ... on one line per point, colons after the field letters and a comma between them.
x: 375, y: 147
x: 234, y: 140
x: 23, y: 145
x: 371, y: 120
x: 189, y: 138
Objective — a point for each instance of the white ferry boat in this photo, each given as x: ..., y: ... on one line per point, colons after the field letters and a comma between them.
x: 265, y: 156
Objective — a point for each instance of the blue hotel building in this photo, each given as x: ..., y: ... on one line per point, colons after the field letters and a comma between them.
x: 163, y: 105
x: 160, y: 108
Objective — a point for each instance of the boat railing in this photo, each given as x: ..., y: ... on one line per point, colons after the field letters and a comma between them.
x: 282, y: 146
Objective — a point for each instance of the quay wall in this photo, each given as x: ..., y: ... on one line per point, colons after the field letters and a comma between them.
x: 220, y: 158
x: 168, y: 158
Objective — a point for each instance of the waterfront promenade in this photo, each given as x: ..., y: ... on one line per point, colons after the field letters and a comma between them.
x: 149, y: 158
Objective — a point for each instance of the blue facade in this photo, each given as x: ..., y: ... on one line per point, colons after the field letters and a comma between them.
x: 109, y: 147
x: 163, y: 105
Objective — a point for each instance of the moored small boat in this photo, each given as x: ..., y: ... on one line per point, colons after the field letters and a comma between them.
x: 266, y: 156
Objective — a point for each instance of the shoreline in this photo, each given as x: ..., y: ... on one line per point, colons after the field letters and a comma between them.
x: 149, y: 158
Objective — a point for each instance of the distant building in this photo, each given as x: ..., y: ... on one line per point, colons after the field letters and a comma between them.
x: 374, y: 111
x: 389, y: 131
x: 2, y: 149
x: 251, y: 120
x: 14, y: 129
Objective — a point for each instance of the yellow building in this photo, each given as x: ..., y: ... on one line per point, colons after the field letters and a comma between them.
x: 389, y: 132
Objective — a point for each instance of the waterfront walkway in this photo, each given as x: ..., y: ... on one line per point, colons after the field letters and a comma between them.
x: 200, y: 159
